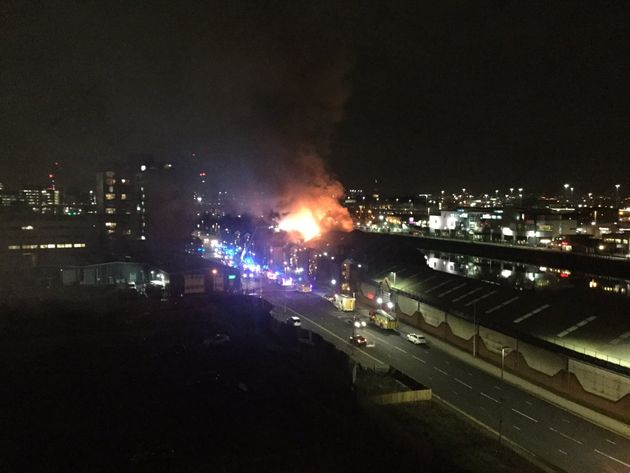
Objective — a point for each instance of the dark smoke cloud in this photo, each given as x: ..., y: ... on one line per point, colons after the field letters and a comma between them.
x: 255, y: 91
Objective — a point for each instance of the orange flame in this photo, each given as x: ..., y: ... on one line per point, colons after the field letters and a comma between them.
x: 302, y: 222
x: 311, y: 204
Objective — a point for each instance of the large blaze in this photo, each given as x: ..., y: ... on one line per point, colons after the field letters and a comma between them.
x: 311, y: 205
x: 310, y: 219
x: 302, y: 222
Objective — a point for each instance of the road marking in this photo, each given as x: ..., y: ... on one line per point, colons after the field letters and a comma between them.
x: 447, y: 362
x: 516, y: 427
x: 620, y: 338
x: 531, y: 314
x: 529, y: 403
x: 565, y: 436
x: 485, y: 296
x: 461, y: 382
x: 336, y: 336
x: 503, y: 304
x: 399, y: 349
x: 612, y: 458
x: 491, y: 398
x: 563, y: 452
x: 525, y: 415
x: 497, y: 387
x: 566, y: 332
x: 456, y: 393
x: 610, y: 441
x: 441, y: 371
x: 567, y: 421
x: 419, y: 359
x: 439, y: 285
x: 453, y: 290
x: 463, y: 296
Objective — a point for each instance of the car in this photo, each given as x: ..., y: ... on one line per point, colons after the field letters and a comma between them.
x: 304, y: 287
x: 294, y: 321
x: 358, y: 340
x: 416, y: 339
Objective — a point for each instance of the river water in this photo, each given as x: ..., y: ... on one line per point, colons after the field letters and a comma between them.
x: 523, y: 276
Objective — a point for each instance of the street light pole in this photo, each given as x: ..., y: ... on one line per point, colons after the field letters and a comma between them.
x: 503, y: 350
x: 475, y: 330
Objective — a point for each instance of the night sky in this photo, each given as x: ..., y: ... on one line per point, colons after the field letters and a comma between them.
x: 421, y: 95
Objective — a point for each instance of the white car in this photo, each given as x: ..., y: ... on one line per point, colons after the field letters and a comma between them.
x: 295, y: 321
x: 416, y: 339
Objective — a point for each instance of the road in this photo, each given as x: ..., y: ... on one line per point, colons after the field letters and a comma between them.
x: 547, y: 431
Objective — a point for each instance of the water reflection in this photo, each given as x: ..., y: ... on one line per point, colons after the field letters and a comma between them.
x: 522, y: 276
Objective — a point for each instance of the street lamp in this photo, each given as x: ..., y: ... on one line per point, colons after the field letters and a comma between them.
x: 390, y: 305
x: 379, y: 300
x: 503, y: 351
x: 617, y: 186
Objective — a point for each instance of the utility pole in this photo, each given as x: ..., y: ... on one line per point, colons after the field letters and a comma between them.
x: 475, y: 330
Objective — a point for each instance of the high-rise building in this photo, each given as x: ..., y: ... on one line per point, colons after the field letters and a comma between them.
x: 119, y: 202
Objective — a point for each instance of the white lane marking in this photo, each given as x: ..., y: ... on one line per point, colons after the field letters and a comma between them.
x: 566, y: 332
x: 453, y: 289
x: 441, y: 371
x: 497, y: 387
x: 463, y: 296
x: 610, y: 441
x: 620, y: 338
x: 461, y: 382
x: 565, y: 436
x: 503, y: 304
x: 491, y: 398
x: 335, y: 335
x: 529, y: 403
x: 484, y: 296
x: 399, y: 349
x: 567, y: 421
x: 531, y: 314
x: 516, y: 427
x: 525, y: 415
x: 612, y: 458
x: 419, y: 359
x: 563, y: 452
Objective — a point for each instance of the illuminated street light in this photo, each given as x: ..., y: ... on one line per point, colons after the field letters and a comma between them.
x: 379, y: 300
x: 333, y: 281
x: 390, y: 305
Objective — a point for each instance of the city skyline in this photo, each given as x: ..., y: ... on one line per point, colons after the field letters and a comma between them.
x: 417, y: 96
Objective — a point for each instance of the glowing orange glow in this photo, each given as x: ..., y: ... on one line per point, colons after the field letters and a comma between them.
x: 310, y: 202
x: 310, y: 218
x: 302, y: 222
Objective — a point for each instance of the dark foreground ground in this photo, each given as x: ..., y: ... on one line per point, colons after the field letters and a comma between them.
x: 120, y: 386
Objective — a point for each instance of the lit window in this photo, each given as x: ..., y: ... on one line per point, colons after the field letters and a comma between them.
x: 27, y: 227
x: 14, y: 247
x: 110, y: 224
x: 29, y: 247
x: 49, y: 245
x: 110, y: 210
x: 79, y: 245
x: 64, y: 245
x: 123, y: 196
x: 111, y: 189
x: 110, y: 196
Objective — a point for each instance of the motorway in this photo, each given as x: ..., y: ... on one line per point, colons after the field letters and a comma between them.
x: 548, y: 432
